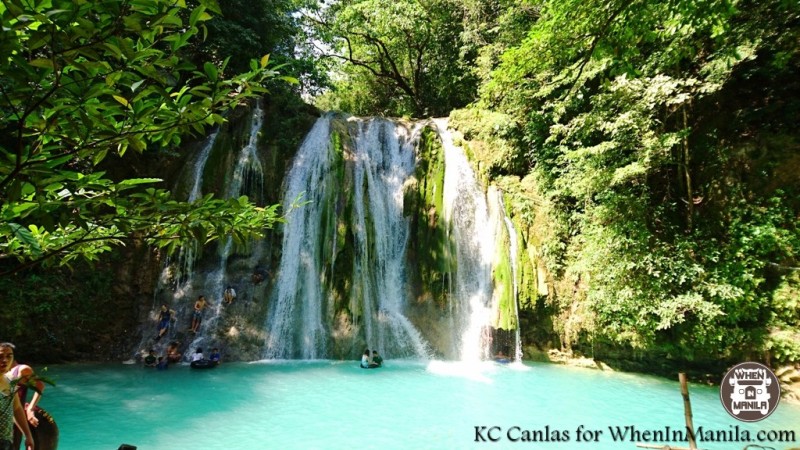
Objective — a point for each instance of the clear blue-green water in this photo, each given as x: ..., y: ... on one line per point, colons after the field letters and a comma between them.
x: 404, y: 405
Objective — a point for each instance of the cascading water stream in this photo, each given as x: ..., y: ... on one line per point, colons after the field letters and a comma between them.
x: 294, y: 326
x: 382, y: 160
x: 199, y: 167
x: 181, y: 274
x: 247, y: 178
x: 472, y: 234
x: 187, y: 254
x: 512, y: 236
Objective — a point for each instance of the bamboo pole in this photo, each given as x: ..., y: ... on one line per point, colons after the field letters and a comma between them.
x: 687, y: 410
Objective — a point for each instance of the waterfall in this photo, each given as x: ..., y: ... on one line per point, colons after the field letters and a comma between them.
x: 199, y: 167
x: 343, y: 280
x: 512, y: 236
x: 294, y: 325
x: 247, y: 178
x: 188, y: 254
x: 180, y: 274
x: 382, y: 160
x: 472, y: 234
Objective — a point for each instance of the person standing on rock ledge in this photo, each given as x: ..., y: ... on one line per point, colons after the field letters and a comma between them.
x: 197, y: 315
x: 164, y: 318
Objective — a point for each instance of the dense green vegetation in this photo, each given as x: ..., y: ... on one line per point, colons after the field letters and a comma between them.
x: 648, y: 150
x: 96, y: 99
x: 395, y: 57
x: 84, y: 80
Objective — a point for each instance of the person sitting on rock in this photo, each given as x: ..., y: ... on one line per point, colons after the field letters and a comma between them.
x: 150, y: 359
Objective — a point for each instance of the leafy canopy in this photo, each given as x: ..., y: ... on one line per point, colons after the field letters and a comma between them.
x: 82, y: 80
x: 397, y: 57
x: 652, y: 128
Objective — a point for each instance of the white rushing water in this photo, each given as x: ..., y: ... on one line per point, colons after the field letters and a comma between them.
x: 247, y: 178
x: 294, y: 325
x: 188, y: 253
x: 357, y: 176
x: 382, y: 160
x: 472, y: 234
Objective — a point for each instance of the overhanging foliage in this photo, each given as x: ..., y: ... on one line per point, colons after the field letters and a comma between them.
x: 81, y: 80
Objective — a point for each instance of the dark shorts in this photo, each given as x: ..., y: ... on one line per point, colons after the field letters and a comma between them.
x: 163, y: 324
x: 197, y: 315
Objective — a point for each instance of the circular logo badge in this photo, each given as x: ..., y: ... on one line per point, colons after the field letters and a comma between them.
x: 750, y: 392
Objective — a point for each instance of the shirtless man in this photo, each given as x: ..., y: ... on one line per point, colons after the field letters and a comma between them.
x: 197, y: 315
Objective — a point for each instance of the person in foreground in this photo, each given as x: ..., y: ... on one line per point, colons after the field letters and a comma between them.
x: 198, y: 355
x: 150, y: 359
x: 197, y: 315
x: 173, y: 354
x: 11, y: 410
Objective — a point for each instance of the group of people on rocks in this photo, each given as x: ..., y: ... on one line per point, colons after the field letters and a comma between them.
x: 17, y: 416
x: 371, y: 361
x: 173, y: 355
x: 166, y: 316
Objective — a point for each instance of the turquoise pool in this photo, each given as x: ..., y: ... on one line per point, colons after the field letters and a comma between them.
x: 404, y: 405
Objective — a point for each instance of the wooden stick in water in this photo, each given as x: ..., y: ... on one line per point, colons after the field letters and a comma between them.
x: 687, y: 410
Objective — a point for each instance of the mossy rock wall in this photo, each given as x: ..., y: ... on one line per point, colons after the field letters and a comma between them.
x: 240, y: 330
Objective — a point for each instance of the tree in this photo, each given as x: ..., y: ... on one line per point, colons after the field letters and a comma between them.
x: 82, y: 80
x: 402, y: 56
x: 251, y: 27
x: 640, y: 119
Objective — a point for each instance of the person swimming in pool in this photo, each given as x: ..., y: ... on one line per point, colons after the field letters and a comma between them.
x: 365, y: 359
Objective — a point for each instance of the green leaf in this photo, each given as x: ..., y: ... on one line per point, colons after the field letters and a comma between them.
x: 136, y: 143
x: 138, y: 181
x: 210, y: 70
x: 27, y: 238
x: 288, y: 79
x: 121, y: 100
x: 42, y: 63
x: 194, y: 17
x: 99, y: 156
